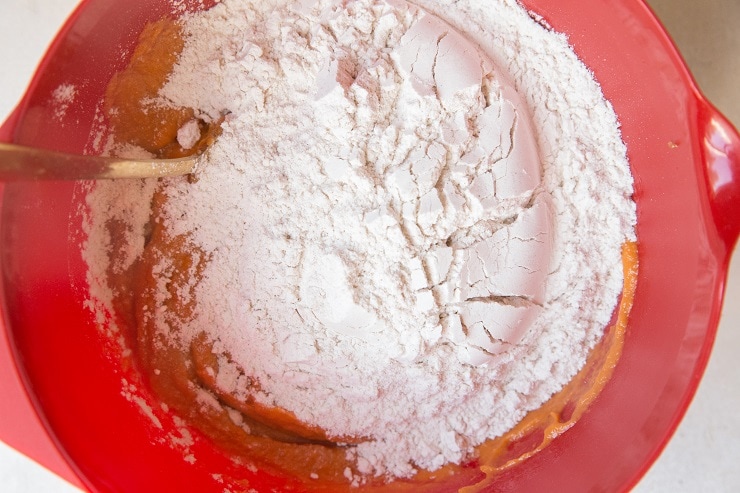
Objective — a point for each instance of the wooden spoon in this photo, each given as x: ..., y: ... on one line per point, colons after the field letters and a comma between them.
x: 18, y: 163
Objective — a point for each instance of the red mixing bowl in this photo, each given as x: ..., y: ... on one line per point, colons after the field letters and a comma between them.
x: 686, y: 164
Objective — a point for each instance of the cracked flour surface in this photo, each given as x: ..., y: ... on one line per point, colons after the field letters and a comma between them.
x: 413, y: 221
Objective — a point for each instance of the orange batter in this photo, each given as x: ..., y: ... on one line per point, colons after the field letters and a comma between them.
x: 274, y: 438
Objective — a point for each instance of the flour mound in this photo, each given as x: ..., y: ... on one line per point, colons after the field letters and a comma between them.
x: 413, y: 217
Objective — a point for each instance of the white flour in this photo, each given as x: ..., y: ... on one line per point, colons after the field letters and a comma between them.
x: 413, y: 234
x: 62, y: 97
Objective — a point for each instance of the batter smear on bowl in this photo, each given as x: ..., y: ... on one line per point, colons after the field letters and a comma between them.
x: 407, y: 235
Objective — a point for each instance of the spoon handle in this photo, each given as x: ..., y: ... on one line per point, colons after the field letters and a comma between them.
x: 28, y: 163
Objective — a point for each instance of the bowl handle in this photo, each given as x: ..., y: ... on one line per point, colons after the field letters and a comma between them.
x: 720, y: 144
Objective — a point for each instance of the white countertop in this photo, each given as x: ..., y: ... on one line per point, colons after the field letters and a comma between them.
x: 704, y: 453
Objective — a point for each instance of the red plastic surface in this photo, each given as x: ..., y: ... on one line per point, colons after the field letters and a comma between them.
x: 686, y: 166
